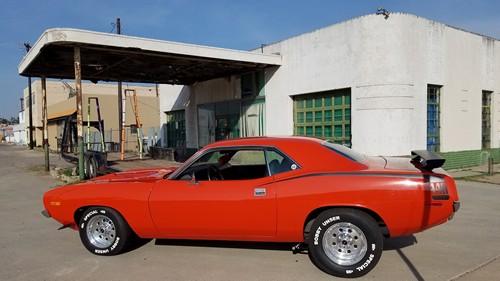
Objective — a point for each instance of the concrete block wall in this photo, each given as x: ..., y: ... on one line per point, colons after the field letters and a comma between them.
x: 469, y: 158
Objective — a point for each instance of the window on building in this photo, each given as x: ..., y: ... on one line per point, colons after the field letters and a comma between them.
x: 486, y: 121
x: 252, y: 85
x: 326, y: 114
x: 433, y: 117
x: 176, y: 129
x: 218, y: 121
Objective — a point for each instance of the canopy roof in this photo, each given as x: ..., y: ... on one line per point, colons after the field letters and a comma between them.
x: 112, y: 57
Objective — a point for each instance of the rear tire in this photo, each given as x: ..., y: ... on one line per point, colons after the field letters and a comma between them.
x: 103, y: 231
x: 345, y: 242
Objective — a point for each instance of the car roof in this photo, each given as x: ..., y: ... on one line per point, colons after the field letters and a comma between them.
x: 308, y: 152
x: 264, y: 141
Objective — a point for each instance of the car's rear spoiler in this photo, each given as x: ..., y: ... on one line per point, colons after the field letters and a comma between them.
x: 428, y: 159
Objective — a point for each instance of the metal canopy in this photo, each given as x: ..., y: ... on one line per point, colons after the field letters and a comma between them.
x: 111, y: 57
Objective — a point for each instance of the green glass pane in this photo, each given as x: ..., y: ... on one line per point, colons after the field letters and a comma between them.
x: 318, y: 131
x: 337, y: 131
x: 318, y: 102
x: 328, y: 116
x: 309, y: 116
x: 309, y: 103
x: 347, y: 99
x: 318, y: 116
x: 338, y: 115
x: 347, y: 114
x: 309, y: 130
x: 338, y: 100
x: 328, y: 101
x: 300, y: 117
x: 300, y: 104
x: 300, y: 131
x: 347, y: 130
x: 327, y: 132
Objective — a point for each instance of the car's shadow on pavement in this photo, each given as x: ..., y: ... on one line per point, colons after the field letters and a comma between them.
x: 227, y: 244
x: 399, y: 242
x: 389, y: 244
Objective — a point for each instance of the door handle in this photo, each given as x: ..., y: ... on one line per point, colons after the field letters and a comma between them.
x: 258, y: 192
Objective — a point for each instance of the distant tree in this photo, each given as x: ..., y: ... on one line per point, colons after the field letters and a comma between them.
x: 12, y: 121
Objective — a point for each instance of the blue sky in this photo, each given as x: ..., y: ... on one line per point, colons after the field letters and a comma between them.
x: 235, y: 24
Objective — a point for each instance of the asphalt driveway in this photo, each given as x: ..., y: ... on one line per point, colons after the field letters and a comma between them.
x: 31, y: 247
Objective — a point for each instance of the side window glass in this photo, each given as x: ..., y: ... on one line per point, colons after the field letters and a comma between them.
x: 228, y: 164
x: 248, y: 157
x: 201, y: 168
x: 279, y: 163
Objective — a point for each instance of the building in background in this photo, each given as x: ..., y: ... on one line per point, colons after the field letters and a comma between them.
x: 19, y: 130
x: 382, y: 86
x: 61, y: 103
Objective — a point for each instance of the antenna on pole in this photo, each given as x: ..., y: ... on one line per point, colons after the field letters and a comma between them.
x: 30, y: 100
x: 384, y: 12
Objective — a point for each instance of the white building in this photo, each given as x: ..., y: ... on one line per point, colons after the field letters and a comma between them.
x: 19, y: 130
x: 385, y: 86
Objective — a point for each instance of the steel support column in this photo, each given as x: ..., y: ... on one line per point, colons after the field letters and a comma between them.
x: 45, y: 135
x: 79, y: 119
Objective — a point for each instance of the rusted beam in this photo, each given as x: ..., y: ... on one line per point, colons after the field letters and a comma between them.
x: 79, y: 118
x: 45, y: 134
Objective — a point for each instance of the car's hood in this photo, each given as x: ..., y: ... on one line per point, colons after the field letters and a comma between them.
x: 135, y: 175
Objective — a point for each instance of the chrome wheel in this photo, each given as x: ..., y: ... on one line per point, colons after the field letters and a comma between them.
x: 344, y: 243
x: 101, y: 231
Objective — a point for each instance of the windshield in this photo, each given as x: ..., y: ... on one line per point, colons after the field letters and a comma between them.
x: 345, y: 151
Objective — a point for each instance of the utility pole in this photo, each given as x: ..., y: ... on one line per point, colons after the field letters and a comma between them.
x: 28, y: 47
x: 120, y: 107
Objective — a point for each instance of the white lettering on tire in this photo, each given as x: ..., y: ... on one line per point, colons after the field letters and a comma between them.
x: 316, y: 236
x: 115, y: 244
x: 329, y: 220
x: 89, y: 214
x: 366, y: 264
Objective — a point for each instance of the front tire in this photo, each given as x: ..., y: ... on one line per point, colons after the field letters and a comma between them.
x: 103, y: 231
x: 345, y: 242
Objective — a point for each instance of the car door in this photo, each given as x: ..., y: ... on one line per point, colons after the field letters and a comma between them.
x: 241, y: 205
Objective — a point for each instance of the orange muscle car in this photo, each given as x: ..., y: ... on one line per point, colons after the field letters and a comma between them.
x: 336, y: 203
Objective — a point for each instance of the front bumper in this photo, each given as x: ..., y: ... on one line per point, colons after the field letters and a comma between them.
x: 46, y: 214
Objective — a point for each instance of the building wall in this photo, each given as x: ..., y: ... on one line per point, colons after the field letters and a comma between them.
x: 189, y: 97
x: 388, y: 65
x: 20, y: 129
x: 374, y: 57
x: 56, y: 92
